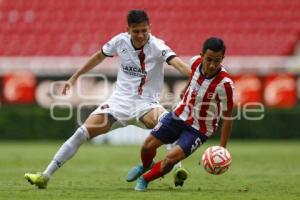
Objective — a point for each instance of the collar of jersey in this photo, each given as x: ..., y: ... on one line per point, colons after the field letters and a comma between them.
x: 140, y: 47
x: 209, y: 77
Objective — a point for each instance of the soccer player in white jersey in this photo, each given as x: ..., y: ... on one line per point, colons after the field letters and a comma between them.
x: 208, y: 96
x: 139, y: 84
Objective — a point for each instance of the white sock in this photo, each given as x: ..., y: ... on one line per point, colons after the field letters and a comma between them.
x: 169, y: 147
x: 67, y: 150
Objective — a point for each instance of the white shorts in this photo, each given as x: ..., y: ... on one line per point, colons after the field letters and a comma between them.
x: 125, y: 110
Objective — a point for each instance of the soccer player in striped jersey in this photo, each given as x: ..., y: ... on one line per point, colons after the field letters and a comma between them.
x: 208, y: 96
x: 138, y: 87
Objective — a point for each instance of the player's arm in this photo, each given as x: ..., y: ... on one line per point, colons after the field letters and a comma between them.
x: 226, y: 127
x: 181, y: 66
x: 92, y: 62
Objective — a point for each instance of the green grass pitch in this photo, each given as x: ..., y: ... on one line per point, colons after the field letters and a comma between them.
x: 260, y: 170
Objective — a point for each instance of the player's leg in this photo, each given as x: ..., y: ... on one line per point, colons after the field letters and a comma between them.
x: 173, y: 156
x: 180, y: 174
x: 148, y: 152
x: 162, y: 167
x: 188, y: 141
x: 150, y: 119
x: 169, y: 147
x: 166, y: 131
x: 93, y: 126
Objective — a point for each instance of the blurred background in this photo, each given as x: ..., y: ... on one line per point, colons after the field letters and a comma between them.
x: 42, y: 42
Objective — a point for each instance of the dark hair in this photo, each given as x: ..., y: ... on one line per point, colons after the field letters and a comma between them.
x: 215, y: 44
x: 137, y: 16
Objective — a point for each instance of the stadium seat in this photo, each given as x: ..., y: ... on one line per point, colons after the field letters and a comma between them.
x: 257, y: 27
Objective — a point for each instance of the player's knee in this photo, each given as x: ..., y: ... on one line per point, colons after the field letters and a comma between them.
x: 146, y: 148
x: 151, y: 144
x: 98, y: 124
x: 97, y: 130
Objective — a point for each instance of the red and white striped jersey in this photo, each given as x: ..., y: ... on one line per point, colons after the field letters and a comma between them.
x: 205, y: 98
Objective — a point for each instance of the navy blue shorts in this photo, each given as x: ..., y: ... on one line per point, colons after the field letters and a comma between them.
x: 169, y: 129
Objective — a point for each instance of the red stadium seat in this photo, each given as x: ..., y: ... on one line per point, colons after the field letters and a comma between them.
x: 76, y: 27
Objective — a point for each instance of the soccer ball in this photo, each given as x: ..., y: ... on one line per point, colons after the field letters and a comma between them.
x: 216, y: 160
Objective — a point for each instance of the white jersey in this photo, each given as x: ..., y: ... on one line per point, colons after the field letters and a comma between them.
x: 140, y: 73
x: 205, y: 98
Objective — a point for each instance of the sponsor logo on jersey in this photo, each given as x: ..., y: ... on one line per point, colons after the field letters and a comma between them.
x: 133, y: 71
x: 164, y: 52
x: 123, y: 51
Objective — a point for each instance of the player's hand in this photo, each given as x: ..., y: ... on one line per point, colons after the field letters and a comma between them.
x: 67, y: 86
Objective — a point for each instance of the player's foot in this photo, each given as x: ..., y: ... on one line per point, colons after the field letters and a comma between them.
x: 180, y: 175
x: 141, y: 184
x: 136, y: 172
x: 37, y: 179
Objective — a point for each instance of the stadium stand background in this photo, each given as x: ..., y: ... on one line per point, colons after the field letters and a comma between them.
x: 79, y: 27
x: 43, y: 41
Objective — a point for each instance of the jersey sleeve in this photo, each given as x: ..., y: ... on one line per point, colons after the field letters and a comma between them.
x: 226, y: 95
x: 110, y: 48
x: 194, y: 63
x: 164, y: 52
x: 192, y: 60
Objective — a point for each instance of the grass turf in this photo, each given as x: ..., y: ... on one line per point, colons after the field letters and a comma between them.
x: 260, y: 170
